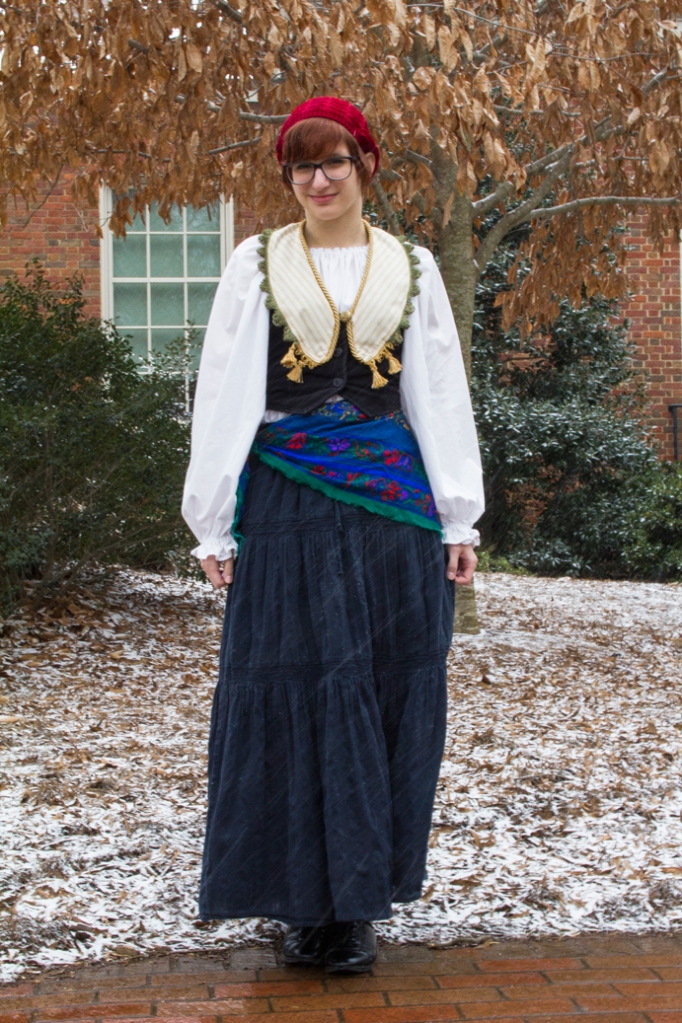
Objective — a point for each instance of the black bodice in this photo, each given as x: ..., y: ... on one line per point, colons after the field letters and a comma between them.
x: 343, y: 374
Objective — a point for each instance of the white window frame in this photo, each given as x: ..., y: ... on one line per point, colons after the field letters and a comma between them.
x: 226, y: 210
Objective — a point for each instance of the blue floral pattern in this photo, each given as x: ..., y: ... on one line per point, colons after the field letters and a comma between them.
x: 373, y: 463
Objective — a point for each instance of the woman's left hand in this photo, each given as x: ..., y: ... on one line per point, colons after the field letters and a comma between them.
x: 462, y: 562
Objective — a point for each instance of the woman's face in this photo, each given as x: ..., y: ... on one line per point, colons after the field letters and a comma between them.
x: 327, y: 200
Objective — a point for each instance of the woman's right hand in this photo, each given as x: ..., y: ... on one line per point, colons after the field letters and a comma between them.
x: 214, y: 574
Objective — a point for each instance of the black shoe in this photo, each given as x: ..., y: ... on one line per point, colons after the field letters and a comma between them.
x: 305, y: 946
x: 352, y: 947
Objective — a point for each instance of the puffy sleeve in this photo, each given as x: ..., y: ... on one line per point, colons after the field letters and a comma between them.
x: 435, y: 397
x: 229, y: 402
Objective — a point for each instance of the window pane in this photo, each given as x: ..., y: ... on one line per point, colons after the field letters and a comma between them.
x: 196, y: 351
x: 198, y: 220
x: 203, y: 255
x: 157, y: 224
x: 168, y: 304
x: 199, y: 301
x: 161, y: 338
x: 130, y: 305
x: 130, y: 257
x: 138, y: 341
x: 165, y: 255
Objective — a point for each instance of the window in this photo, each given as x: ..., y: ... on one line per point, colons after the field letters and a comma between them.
x: 161, y: 277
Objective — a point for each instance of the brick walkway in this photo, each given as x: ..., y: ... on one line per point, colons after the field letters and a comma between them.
x: 594, y: 979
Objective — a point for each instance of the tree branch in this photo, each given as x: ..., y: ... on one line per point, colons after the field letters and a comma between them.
x: 517, y: 216
x: 602, y: 200
x: 656, y: 80
x: 47, y: 196
x: 223, y: 6
x: 489, y: 202
x: 246, y: 115
x: 602, y: 132
x: 389, y: 213
x: 417, y: 158
x: 234, y: 145
x: 418, y: 200
x: 547, y: 161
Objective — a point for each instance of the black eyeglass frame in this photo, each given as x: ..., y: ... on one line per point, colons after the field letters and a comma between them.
x: 354, y: 160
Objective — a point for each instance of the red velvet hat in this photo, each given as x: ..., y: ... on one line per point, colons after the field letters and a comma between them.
x: 339, y: 110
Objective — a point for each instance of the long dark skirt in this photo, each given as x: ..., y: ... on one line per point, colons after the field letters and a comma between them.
x: 329, y: 715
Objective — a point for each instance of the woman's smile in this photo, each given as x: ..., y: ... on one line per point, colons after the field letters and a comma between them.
x: 323, y: 200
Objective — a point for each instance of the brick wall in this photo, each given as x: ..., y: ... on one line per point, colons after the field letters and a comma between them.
x: 62, y: 235
x: 244, y: 224
x: 653, y: 309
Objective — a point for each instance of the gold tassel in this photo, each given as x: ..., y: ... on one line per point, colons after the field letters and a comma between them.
x: 289, y: 359
x: 296, y: 374
x: 394, y: 364
x: 377, y: 379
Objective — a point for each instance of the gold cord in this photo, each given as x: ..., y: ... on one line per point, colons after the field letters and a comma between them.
x: 296, y: 360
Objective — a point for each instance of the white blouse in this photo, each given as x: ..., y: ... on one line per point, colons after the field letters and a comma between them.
x: 229, y: 404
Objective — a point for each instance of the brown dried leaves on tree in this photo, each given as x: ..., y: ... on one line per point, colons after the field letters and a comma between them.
x: 561, y: 116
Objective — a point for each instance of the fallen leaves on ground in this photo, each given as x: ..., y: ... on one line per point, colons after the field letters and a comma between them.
x: 558, y: 809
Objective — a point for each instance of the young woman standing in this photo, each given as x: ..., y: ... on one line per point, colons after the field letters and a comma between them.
x: 334, y: 447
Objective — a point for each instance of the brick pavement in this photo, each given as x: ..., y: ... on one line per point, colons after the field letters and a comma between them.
x: 593, y: 979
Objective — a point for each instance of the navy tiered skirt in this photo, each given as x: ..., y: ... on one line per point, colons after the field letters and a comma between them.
x: 329, y: 716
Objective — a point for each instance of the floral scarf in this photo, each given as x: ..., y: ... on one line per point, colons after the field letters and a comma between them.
x: 371, y: 463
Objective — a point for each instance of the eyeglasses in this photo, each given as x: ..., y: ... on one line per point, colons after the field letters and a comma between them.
x: 334, y: 168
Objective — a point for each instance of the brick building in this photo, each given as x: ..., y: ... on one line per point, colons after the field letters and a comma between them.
x: 653, y: 309
x: 162, y: 275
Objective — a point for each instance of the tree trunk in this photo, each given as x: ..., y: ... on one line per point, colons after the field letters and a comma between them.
x: 466, y: 613
x: 460, y: 275
x: 459, y: 271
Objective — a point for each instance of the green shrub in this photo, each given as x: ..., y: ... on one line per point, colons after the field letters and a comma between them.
x: 573, y: 484
x: 92, y: 452
x: 653, y: 548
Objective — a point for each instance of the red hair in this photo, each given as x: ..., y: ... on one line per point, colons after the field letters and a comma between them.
x: 316, y: 138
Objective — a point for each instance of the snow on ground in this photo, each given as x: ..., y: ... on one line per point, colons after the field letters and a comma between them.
x: 559, y: 807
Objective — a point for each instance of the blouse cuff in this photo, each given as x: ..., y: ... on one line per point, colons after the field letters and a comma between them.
x: 223, y: 547
x: 460, y: 532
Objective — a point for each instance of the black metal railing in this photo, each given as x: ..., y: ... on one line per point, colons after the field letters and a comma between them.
x: 676, y: 446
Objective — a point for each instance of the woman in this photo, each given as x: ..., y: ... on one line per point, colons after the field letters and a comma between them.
x: 334, y: 446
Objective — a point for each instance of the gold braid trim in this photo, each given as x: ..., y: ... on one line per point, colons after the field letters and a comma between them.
x: 394, y: 363
x: 387, y: 353
x: 295, y: 359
